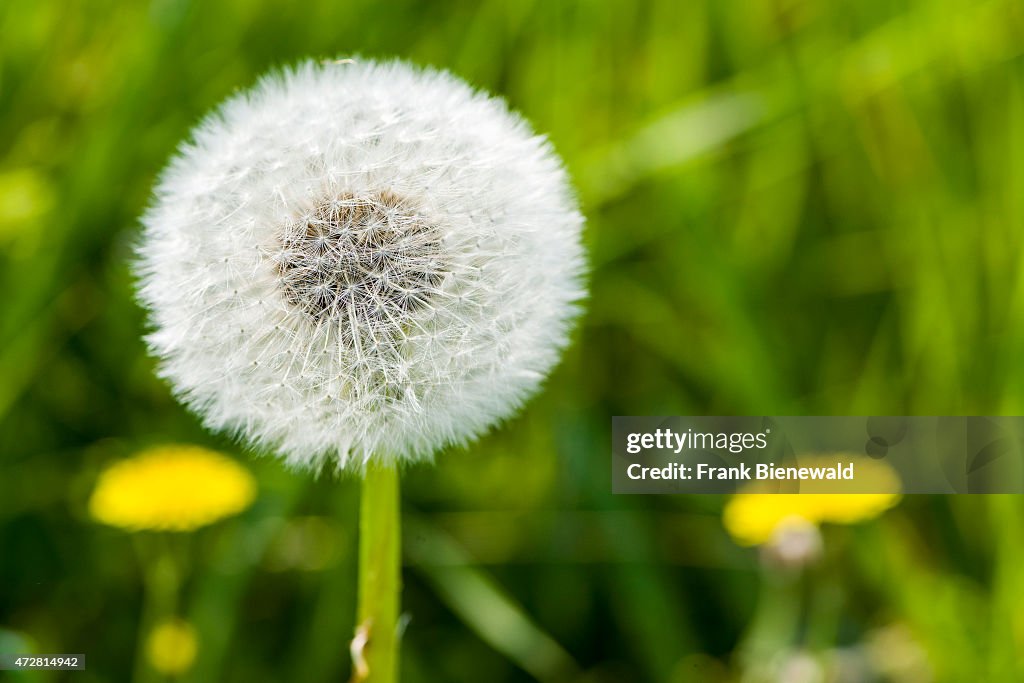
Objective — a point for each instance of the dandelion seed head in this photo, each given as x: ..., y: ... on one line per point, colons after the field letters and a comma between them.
x: 373, y: 259
x: 357, y: 262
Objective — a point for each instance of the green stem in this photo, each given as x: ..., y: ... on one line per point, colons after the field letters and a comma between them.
x: 162, y: 578
x: 375, y: 648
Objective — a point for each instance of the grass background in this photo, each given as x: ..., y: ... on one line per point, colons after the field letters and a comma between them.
x: 793, y: 208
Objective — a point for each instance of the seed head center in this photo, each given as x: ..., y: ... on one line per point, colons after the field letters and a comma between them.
x: 365, y: 261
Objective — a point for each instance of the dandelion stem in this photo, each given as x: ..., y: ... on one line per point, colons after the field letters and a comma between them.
x: 375, y: 646
x: 162, y: 581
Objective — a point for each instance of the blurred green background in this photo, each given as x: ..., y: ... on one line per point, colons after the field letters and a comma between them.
x: 793, y: 208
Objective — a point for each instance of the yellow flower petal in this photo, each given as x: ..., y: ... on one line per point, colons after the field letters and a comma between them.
x: 172, y: 646
x: 171, y: 488
x: 752, y: 517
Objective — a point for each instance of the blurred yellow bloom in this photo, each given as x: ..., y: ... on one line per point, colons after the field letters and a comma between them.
x: 172, y: 646
x: 752, y: 518
x: 171, y: 488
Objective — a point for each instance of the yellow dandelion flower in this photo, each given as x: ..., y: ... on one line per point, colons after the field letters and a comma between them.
x: 171, y: 488
x: 172, y: 646
x: 752, y: 517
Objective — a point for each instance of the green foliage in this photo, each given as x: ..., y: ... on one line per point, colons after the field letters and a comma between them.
x: 794, y: 208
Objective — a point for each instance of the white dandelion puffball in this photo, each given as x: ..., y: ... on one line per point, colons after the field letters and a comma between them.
x: 360, y: 262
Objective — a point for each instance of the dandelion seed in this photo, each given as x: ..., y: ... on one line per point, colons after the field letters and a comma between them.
x: 360, y: 263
